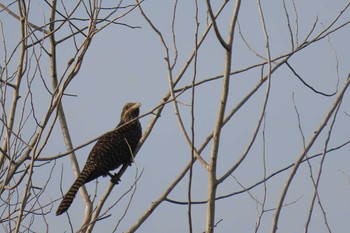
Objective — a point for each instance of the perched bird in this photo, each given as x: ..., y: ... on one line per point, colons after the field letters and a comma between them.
x: 111, y: 150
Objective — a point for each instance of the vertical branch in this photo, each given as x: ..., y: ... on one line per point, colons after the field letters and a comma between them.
x: 263, y: 203
x: 193, y: 120
x: 268, y: 54
x: 296, y: 23
x: 288, y: 23
x: 176, y: 52
x: 267, y: 78
x: 20, y: 71
x: 212, y: 186
x: 23, y: 16
x: 61, y: 114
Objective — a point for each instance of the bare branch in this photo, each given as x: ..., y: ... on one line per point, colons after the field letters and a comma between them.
x: 304, y: 152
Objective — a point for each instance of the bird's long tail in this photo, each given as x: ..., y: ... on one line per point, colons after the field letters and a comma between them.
x: 70, y: 195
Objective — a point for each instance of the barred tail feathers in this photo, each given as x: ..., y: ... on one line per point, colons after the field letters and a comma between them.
x: 70, y: 195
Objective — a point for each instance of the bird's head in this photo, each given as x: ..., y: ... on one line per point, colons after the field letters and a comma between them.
x: 130, y: 112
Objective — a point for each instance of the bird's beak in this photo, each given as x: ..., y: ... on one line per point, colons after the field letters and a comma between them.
x: 136, y: 105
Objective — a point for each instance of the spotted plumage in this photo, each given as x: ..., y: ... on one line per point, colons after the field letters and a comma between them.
x: 111, y: 150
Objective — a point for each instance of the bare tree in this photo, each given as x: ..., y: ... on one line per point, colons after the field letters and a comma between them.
x: 245, y: 114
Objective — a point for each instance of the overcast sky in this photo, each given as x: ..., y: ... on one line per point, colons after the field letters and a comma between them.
x: 126, y: 65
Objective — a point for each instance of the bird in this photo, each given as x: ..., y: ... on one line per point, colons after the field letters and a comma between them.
x: 112, y: 150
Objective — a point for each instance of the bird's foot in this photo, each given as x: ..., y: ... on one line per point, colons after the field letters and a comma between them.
x: 114, y: 178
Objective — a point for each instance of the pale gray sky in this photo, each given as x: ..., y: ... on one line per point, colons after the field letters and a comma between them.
x: 125, y: 64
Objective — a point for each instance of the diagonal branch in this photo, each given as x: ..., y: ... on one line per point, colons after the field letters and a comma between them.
x: 304, y: 152
x: 215, y: 26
